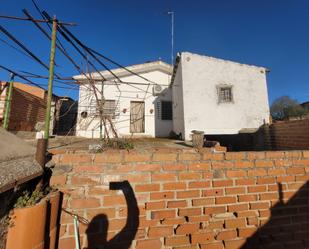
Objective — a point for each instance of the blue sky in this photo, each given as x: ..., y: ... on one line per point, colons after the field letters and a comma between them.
x: 270, y: 33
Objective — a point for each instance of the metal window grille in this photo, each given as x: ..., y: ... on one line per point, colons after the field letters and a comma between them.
x: 166, y: 110
x: 225, y: 94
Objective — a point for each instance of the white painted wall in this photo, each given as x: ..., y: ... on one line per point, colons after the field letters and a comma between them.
x: 154, y: 126
x: 200, y: 76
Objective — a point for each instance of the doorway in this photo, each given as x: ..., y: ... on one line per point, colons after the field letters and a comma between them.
x: 137, y: 117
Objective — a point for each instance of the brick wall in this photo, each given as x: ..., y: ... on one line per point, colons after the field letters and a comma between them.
x: 185, y: 199
x: 288, y: 135
x: 26, y: 111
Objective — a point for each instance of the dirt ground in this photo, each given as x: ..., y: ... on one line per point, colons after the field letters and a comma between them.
x: 79, y: 143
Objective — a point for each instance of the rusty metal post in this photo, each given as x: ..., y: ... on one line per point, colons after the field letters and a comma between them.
x: 41, y: 148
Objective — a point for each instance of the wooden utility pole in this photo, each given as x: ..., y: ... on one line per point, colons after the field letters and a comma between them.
x: 50, y: 78
x: 8, y: 102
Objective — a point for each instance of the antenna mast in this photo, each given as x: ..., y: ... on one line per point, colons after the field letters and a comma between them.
x: 172, y: 35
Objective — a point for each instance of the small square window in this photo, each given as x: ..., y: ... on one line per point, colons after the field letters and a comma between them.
x: 109, y: 108
x: 225, y: 94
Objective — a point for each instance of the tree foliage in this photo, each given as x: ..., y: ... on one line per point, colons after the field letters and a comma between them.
x: 284, y: 108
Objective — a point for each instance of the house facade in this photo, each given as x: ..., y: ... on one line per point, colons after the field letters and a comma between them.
x: 217, y: 96
x: 139, y: 105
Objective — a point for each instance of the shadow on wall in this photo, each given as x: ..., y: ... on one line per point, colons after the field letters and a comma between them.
x: 98, y: 227
x: 288, y: 224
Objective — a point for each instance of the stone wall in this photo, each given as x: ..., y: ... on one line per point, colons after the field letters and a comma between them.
x: 184, y: 199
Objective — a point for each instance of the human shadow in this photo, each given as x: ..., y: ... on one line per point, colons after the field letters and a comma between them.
x: 98, y: 227
x: 288, y: 225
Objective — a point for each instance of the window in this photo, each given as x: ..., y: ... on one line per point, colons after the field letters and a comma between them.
x: 166, y: 110
x: 225, y: 94
x: 109, y: 108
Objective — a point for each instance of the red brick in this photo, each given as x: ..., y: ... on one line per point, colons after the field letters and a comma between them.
x: 295, y: 170
x: 163, y: 231
x: 259, y: 205
x: 163, y: 214
x: 266, y: 180
x: 222, y: 183
x: 225, y: 199
x: 88, y: 169
x: 199, y: 184
x: 137, y: 157
x: 269, y: 196
x: 244, y: 164
x: 256, y: 155
x: 174, y: 167
x: 149, y: 243
x: 235, y: 223
x: 162, y: 195
x: 199, y: 166
x: 276, y: 172
x: 163, y: 177
x: 188, y: 194
x: 176, y: 204
x: 85, y: 203
x: 264, y: 163
x: 246, y: 198
x: 114, y: 200
x: 241, y: 182
x: 257, y: 172
x: 139, y: 178
x: 146, y: 167
x: 235, y: 190
x: 235, y: 155
x: 203, y: 201
x: 234, y: 244
x: 201, y: 238
x: 86, y: 179
x: 189, y: 176
x: 212, y: 192
x: 176, y: 241
x: 108, y: 158
x: 155, y: 205
x: 236, y: 173
x: 109, y: 212
x: 246, y: 232
x: 189, y: 157
x: 174, y: 186
x: 227, y: 234
x: 173, y: 221
x: 189, y: 211
x: 256, y: 189
x: 216, y: 224
x: 275, y: 154
x: 215, y: 245
x: 222, y: 164
x: 187, y: 229
x: 250, y: 213
x: 215, y: 210
x: 238, y: 207
x: 164, y: 157
x: 147, y: 187
x: 66, y: 243
x: 58, y: 180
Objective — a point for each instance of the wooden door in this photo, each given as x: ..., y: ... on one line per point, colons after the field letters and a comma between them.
x: 137, y: 117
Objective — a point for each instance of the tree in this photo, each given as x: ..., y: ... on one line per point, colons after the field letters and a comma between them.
x: 284, y: 108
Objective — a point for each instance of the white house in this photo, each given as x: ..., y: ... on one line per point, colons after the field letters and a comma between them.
x: 139, y: 105
x: 217, y: 96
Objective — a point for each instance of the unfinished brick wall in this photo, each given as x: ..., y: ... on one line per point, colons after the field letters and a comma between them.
x: 292, y: 134
x: 187, y: 199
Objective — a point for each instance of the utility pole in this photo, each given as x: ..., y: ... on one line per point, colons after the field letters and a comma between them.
x: 8, y: 102
x: 50, y: 78
x: 172, y: 35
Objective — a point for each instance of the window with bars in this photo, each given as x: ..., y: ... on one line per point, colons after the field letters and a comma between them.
x: 166, y: 110
x: 109, y: 108
x: 225, y: 94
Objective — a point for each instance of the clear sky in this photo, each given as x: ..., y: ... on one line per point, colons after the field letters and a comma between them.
x: 270, y: 33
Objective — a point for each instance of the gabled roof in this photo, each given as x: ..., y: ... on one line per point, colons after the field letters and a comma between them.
x: 138, y: 69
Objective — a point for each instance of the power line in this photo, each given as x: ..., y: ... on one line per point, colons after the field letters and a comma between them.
x: 8, y: 34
